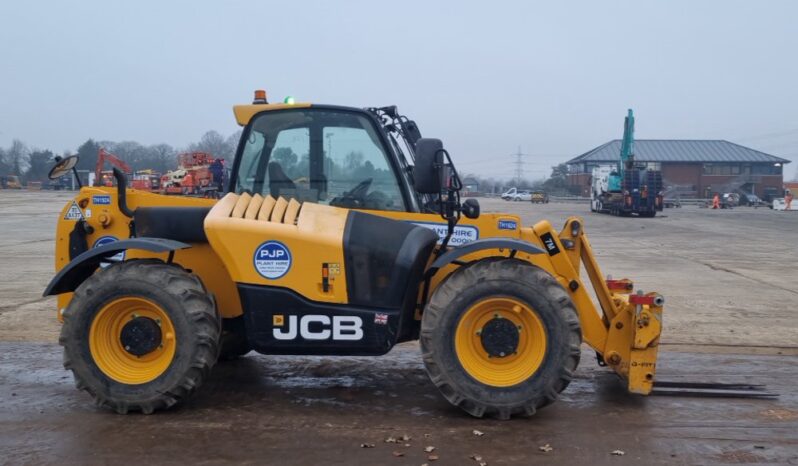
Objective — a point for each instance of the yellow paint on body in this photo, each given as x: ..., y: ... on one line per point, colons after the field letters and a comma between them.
x: 244, y: 113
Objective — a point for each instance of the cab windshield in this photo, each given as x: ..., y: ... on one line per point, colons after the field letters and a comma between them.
x: 333, y: 157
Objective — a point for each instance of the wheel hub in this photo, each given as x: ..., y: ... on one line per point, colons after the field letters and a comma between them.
x: 500, y: 337
x: 140, y: 336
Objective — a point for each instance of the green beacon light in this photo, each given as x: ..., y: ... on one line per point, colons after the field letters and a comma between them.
x: 289, y: 100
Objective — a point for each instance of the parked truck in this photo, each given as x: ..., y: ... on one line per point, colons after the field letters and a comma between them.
x: 628, y: 187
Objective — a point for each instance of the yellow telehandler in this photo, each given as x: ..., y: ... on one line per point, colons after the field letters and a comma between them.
x: 342, y: 233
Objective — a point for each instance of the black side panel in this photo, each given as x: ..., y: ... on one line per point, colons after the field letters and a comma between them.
x: 279, y: 321
x: 384, y: 259
x: 77, y: 240
x: 177, y: 223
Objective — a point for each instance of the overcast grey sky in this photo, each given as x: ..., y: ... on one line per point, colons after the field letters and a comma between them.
x: 552, y: 77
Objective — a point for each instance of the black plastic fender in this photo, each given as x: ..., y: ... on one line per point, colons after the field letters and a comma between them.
x: 452, y: 255
x: 81, y: 267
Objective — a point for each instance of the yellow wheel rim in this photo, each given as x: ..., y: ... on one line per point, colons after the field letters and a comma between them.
x: 496, y: 370
x: 107, y: 348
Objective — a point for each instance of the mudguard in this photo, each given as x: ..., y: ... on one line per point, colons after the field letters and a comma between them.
x: 452, y: 255
x: 81, y: 267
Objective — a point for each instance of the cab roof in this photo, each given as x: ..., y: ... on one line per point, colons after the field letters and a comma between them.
x: 245, y: 113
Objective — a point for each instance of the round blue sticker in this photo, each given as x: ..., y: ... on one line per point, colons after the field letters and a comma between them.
x: 272, y: 260
x: 103, y: 240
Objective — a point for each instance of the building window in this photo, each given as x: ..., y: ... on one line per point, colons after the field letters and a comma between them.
x: 766, y: 169
x: 726, y: 169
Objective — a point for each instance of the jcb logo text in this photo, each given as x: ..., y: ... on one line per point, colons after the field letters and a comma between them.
x: 318, y: 327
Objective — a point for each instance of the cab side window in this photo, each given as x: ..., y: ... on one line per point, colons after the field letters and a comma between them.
x: 318, y: 155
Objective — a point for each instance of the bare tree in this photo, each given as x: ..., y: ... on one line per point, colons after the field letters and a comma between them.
x: 215, y: 144
x: 5, y: 167
x: 40, y: 162
x: 232, y: 142
x: 17, y: 157
x: 163, y: 157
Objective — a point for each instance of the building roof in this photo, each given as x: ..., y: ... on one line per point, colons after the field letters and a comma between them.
x: 679, y: 150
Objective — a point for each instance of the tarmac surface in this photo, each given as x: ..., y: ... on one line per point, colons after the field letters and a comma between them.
x: 730, y: 283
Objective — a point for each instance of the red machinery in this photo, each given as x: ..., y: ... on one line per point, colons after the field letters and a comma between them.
x: 192, y: 177
x: 105, y: 177
x: 146, y: 180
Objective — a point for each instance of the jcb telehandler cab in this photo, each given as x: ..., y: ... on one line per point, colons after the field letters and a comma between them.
x: 342, y: 233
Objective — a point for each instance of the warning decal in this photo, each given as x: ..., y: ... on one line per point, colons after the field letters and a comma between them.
x: 74, y: 212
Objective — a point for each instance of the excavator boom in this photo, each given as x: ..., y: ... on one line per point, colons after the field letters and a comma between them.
x: 627, y: 144
x: 105, y: 156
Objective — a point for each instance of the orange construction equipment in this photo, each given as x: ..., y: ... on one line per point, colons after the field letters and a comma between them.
x: 192, y: 177
x: 105, y: 178
x: 146, y: 180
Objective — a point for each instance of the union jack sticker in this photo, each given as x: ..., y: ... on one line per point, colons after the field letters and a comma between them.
x: 381, y: 319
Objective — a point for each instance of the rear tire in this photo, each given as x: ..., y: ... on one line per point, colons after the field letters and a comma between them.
x: 500, y: 385
x: 124, y: 371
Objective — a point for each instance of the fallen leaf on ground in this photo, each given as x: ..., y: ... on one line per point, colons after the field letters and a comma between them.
x: 366, y: 445
x: 433, y: 457
x: 618, y: 452
x: 545, y: 448
x: 478, y: 459
x: 390, y: 440
x: 478, y: 433
x: 405, y: 438
x: 398, y: 453
x: 429, y: 449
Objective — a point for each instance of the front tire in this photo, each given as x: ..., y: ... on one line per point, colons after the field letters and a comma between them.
x: 140, y: 335
x: 500, y: 337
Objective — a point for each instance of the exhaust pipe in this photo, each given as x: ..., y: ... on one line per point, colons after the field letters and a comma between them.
x: 121, y: 187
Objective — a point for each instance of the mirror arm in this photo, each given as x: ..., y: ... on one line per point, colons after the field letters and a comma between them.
x: 77, y: 177
x: 449, y: 209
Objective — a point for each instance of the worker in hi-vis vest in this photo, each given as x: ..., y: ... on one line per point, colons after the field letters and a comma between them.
x: 788, y: 200
x: 716, y: 201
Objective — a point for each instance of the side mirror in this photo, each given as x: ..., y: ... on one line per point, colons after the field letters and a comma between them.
x: 62, y: 167
x: 470, y: 208
x: 429, y: 160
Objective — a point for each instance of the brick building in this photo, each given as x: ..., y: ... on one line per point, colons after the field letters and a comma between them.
x: 690, y: 168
